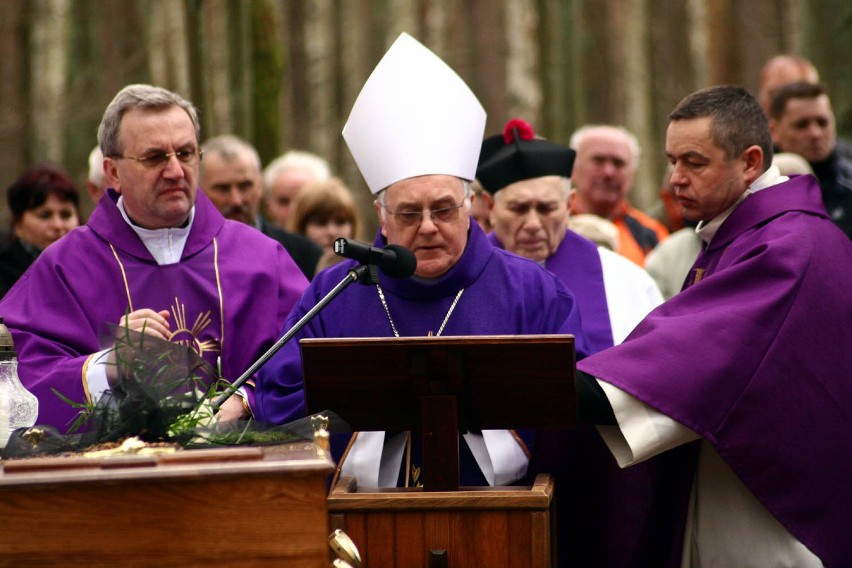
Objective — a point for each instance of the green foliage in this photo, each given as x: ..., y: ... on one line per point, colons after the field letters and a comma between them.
x: 160, y: 392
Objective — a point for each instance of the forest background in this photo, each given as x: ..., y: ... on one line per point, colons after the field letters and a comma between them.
x: 284, y: 74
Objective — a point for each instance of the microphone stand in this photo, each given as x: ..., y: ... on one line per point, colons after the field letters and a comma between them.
x: 365, y: 274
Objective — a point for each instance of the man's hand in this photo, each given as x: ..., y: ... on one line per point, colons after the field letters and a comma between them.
x: 233, y: 409
x: 147, y: 321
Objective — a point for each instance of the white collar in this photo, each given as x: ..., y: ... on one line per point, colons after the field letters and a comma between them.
x: 165, y: 245
x: 770, y: 177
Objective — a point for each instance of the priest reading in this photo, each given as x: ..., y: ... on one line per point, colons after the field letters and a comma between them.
x: 415, y: 132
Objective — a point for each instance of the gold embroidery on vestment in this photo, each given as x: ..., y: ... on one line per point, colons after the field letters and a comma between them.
x: 123, y: 276
x: 183, y: 335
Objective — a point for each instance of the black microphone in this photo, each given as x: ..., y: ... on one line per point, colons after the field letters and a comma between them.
x: 394, y: 260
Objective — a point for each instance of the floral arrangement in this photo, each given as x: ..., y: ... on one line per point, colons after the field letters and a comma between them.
x: 161, y: 394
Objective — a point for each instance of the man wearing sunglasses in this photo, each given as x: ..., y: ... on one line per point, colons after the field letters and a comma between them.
x: 157, y: 258
x: 415, y: 133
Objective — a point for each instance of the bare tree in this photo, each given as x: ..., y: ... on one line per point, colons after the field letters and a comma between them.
x: 402, y: 17
x: 523, y: 84
x: 320, y: 75
x: 636, y: 89
x: 699, y: 43
x: 218, y: 67
x: 13, y: 88
x: 48, y: 61
x: 284, y: 74
x: 268, y: 78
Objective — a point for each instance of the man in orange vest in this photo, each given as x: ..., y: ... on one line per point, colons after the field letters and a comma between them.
x: 603, y: 176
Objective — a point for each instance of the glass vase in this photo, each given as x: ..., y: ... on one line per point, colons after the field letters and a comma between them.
x: 18, y: 406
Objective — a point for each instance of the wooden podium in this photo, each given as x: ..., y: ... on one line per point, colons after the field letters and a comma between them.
x: 436, y: 387
x: 242, y: 506
x: 474, y: 528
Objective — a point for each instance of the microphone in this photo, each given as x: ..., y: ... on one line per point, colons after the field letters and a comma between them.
x: 394, y: 260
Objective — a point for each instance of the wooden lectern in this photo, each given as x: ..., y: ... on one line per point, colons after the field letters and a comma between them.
x: 436, y: 387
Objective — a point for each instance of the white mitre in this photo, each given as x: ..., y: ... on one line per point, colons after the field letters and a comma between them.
x: 415, y: 116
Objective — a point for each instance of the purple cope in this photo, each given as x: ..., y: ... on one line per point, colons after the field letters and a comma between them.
x: 228, y: 296
x: 754, y: 356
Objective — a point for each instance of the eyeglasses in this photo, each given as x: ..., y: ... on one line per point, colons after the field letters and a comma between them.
x: 413, y: 218
x: 160, y: 159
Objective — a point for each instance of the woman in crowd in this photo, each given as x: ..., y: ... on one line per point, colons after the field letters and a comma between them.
x: 324, y: 211
x: 44, y: 206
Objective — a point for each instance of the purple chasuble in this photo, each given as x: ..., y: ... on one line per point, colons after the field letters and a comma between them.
x: 228, y: 297
x: 578, y: 265
x: 605, y: 513
x: 753, y: 356
x: 503, y: 295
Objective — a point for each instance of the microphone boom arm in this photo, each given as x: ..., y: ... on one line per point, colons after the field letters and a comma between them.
x: 365, y: 273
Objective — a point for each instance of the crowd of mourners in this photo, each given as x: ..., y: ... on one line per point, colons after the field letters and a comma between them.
x: 711, y: 332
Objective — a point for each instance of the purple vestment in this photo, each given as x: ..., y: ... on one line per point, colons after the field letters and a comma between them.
x: 228, y: 296
x: 753, y: 356
x: 604, y: 513
x: 503, y: 295
x: 578, y: 265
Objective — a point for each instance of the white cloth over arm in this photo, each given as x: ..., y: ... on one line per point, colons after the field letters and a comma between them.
x: 726, y: 525
x: 631, y: 293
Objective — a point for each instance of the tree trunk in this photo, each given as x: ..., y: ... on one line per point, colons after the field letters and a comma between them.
x: 556, y: 72
x: 13, y: 89
x: 359, y: 53
x: 320, y: 73
x: 523, y: 85
x: 217, y: 99
x: 635, y: 85
x: 268, y: 70
x: 48, y: 60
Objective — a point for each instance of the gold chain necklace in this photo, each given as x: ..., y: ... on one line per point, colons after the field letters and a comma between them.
x: 443, y: 324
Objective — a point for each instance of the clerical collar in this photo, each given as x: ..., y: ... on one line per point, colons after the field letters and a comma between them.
x: 770, y: 177
x: 165, y: 245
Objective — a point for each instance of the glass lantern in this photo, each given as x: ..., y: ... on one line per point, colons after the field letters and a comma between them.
x: 18, y: 406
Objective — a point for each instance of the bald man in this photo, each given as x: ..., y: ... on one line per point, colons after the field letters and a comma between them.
x: 782, y: 70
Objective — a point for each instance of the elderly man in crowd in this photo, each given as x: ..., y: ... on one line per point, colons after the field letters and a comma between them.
x: 156, y: 257
x: 740, y: 383
x: 96, y: 180
x: 607, y: 157
x: 419, y: 165
x: 802, y: 122
x: 285, y: 177
x: 231, y: 179
x: 529, y: 178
